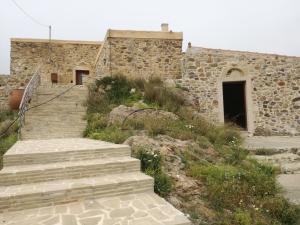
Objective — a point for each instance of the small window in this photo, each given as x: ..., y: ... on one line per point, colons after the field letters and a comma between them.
x: 54, y: 78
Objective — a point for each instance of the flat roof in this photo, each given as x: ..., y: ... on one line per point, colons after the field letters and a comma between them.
x: 56, y: 41
x: 196, y: 49
x: 144, y: 34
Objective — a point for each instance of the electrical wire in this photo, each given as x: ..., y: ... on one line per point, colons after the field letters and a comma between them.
x: 28, y: 15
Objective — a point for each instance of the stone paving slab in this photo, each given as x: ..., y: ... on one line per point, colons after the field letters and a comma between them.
x: 135, y: 209
x: 291, y: 183
x: 272, y: 142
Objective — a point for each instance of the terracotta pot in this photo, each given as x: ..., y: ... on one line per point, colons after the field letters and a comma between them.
x: 15, y: 98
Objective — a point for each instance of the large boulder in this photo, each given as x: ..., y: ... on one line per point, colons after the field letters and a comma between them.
x: 122, y: 112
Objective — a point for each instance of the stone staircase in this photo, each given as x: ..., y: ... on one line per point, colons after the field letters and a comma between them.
x: 59, y: 118
x: 77, y: 181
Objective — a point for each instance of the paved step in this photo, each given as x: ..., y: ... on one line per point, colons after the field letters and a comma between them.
x: 14, y: 175
x: 33, y: 195
x: 134, y: 209
x: 51, y: 135
x: 77, y: 181
x: 28, y: 152
x: 61, y: 117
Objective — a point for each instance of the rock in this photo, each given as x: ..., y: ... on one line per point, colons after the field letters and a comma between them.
x: 170, y: 83
x: 120, y: 113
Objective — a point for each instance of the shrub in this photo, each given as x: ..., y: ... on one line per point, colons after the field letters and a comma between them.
x: 167, y: 98
x: 5, y: 143
x: 97, y: 102
x: 282, y: 210
x: 162, y: 183
x: 117, y: 88
x: 203, y: 142
x: 149, y: 160
x: 7, y: 115
x: 111, y: 134
x: 236, y: 154
x: 242, y: 218
x: 96, y: 123
x: 228, y: 186
x: 180, y: 130
x: 156, y: 126
x: 152, y: 165
x: 224, y: 135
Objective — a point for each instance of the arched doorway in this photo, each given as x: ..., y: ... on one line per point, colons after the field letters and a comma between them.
x: 235, y: 98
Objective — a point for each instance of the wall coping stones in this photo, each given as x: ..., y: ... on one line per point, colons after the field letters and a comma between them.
x: 56, y: 41
x: 196, y: 49
x: 144, y: 34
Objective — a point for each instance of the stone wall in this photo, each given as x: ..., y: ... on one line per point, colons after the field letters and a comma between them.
x: 61, y: 57
x: 272, y: 86
x: 141, y: 54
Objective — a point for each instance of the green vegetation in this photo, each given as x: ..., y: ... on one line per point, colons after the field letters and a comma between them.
x: 240, y: 190
x: 10, y: 137
x: 151, y: 163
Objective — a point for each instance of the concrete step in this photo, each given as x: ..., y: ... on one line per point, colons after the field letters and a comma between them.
x: 54, y: 89
x: 15, y: 175
x: 134, y: 209
x: 28, y: 152
x: 26, y: 196
x: 55, y: 123
x: 29, y: 136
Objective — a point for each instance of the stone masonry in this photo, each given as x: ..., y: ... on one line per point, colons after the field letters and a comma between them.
x: 140, y: 54
x: 61, y: 57
x: 272, y: 86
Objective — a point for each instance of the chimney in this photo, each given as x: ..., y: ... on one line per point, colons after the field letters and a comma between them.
x: 165, y: 27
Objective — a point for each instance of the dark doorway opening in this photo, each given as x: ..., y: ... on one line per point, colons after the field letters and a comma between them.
x: 234, y: 99
x: 79, y: 75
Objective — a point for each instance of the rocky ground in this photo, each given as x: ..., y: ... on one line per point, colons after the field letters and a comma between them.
x: 283, y: 152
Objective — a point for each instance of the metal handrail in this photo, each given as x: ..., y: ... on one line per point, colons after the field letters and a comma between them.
x: 28, y: 92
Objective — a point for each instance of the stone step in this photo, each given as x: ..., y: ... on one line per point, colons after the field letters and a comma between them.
x: 56, y: 89
x: 15, y: 175
x: 26, y: 196
x: 29, y: 136
x: 135, y: 209
x: 55, y: 122
x: 58, y: 150
x: 47, y: 99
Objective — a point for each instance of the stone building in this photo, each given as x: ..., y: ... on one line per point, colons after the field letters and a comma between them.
x: 258, y: 92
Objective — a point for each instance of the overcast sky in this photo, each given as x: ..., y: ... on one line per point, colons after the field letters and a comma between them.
x: 271, y: 26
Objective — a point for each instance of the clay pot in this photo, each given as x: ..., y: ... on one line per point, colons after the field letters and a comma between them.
x: 15, y: 98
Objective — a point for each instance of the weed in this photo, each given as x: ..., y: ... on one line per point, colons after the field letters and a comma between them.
x: 152, y: 165
x: 111, y: 134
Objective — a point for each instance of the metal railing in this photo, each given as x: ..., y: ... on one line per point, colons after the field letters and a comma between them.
x: 28, y: 92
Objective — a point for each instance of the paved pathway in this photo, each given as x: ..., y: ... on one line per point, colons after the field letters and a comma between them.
x: 283, y: 152
x: 136, y: 209
x: 273, y: 142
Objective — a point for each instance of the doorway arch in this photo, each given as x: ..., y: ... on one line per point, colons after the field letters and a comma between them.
x: 240, y: 76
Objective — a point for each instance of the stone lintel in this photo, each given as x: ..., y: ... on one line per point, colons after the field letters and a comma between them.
x: 144, y: 34
x: 33, y: 40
